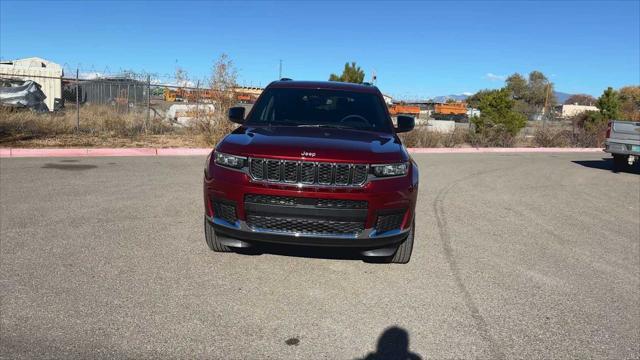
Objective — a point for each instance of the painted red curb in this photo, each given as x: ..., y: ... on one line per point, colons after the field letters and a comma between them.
x: 48, y: 152
x: 182, y: 151
x: 7, y: 152
x: 123, y: 152
x: 499, y: 150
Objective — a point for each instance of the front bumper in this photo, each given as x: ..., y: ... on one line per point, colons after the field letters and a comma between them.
x: 366, y: 239
x: 383, y: 197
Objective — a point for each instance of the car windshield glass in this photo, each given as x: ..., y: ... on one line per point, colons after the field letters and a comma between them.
x: 320, y: 108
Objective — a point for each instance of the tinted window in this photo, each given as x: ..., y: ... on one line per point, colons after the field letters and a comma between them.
x: 313, y: 107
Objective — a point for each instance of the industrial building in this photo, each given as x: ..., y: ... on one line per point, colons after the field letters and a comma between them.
x: 568, y: 111
x: 107, y: 90
x: 46, y: 73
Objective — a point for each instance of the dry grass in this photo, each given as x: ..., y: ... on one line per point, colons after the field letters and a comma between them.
x: 107, y: 126
x: 421, y: 137
x: 548, y: 137
x: 104, y: 126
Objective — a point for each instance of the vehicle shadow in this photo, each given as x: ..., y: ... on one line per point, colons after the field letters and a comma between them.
x: 316, y: 252
x: 607, y: 164
x: 393, y: 344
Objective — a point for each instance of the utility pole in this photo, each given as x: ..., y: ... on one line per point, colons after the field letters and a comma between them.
x: 280, y: 73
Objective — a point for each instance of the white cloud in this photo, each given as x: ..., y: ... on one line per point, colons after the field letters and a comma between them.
x: 466, y: 93
x: 494, y: 77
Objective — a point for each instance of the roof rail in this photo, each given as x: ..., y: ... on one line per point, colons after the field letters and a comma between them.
x: 285, y: 79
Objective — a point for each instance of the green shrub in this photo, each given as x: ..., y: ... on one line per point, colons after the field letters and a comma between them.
x: 498, y: 123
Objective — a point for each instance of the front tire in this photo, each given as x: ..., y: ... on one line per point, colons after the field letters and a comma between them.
x: 403, y: 254
x: 212, y: 240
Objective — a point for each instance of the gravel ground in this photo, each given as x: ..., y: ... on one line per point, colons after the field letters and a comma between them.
x: 531, y: 256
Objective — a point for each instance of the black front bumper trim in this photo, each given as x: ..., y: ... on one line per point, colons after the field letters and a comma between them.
x: 290, y: 239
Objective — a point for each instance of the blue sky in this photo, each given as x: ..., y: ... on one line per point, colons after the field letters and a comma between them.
x: 417, y: 49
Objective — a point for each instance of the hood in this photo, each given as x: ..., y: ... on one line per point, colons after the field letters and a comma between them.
x: 326, y: 144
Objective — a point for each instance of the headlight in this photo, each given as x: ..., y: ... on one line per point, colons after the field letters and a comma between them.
x: 231, y: 161
x: 390, y: 169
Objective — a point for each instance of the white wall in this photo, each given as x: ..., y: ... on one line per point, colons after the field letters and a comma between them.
x: 573, y: 110
x: 442, y: 126
x: 45, y: 73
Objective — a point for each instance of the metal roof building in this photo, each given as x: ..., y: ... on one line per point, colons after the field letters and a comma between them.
x: 46, y: 73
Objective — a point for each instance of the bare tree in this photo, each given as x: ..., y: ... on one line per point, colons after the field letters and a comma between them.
x: 223, y: 83
x: 182, y: 78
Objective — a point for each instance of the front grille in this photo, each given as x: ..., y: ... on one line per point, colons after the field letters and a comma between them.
x: 305, y: 226
x: 256, y: 166
x: 389, y: 222
x: 296, y: 201
x: 273, y: 170
x: 341, y: 204
x: 270, y: 199
x: 290, y: 171
x: 225, y: 211
x: 325, y: 174
x: 308, y: 172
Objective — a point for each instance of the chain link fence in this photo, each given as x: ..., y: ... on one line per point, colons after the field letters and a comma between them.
x: 121, y: 105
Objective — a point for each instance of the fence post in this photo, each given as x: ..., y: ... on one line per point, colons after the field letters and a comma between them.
x: 77, y: 99
x: 128, y: 92
x: 148, y: 102
x: 198, y: 101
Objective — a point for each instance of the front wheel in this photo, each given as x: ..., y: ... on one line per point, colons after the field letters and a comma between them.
x: 403, y: 254
x: 212, y: 240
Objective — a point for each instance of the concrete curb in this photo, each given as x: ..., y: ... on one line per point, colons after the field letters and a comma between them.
x: 96, y: 152
x: 499, y: 150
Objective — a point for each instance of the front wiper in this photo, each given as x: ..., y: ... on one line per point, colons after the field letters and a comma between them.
x: 325, y: 126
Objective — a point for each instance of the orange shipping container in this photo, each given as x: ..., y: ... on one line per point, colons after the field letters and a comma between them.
x: 451, y: 109
x: 397, y: 109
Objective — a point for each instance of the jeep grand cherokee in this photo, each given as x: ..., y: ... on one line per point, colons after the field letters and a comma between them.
x: 313, y: 163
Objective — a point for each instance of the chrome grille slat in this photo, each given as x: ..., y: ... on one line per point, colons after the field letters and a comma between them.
x: 342, y: 174
x: 308, y: 172
x: 273, y: 170
x: 325, y: 173
x: 256, y: 168
x: 290, y: 171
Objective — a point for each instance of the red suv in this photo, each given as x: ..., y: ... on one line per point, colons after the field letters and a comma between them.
x: 313, y: 163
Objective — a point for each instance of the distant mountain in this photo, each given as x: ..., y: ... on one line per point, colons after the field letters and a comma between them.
x: 444, y: 98
x: 561, y: 97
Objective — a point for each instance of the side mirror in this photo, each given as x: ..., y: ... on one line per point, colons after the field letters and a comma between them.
x: 405, y: 123
x: 236, y: 114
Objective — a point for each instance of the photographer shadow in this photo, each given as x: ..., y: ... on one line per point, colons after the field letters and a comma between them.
x: 393, y: 344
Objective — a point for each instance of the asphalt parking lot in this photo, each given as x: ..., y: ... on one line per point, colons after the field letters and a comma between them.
x: 516, y: 256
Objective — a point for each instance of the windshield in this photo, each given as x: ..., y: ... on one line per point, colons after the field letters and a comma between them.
x: 320, y: 108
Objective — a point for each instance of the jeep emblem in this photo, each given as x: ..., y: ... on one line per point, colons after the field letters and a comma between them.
x: 308, y: 154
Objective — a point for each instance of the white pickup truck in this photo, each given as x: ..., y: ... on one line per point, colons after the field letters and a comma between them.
x: 623, y: 142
